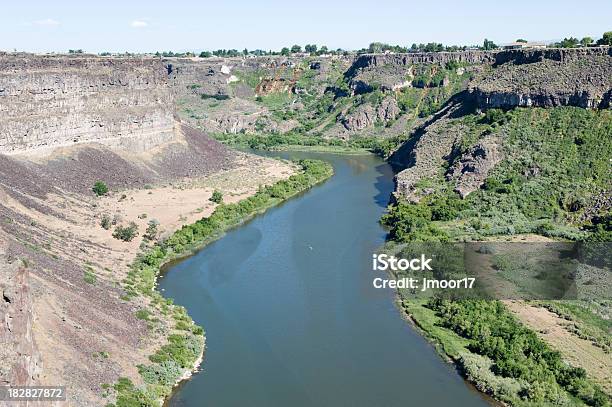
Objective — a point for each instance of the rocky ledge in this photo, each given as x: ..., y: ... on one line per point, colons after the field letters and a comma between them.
x: 547, y: 78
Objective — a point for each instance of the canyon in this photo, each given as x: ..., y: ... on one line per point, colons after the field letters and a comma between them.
x: 146, y: 127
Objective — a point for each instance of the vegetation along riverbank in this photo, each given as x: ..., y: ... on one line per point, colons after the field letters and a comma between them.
x: 185, y: 344
x: 551, y: 164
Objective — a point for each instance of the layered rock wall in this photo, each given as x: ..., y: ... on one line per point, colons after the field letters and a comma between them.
x: 529, y: 56
x: 369, y: 61
x: 547, y: 78
x: 518, y: 78
x: 52, y: 101
x: 530, y: 77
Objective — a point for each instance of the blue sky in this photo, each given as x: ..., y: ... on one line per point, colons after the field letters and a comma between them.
x: 182, y: 25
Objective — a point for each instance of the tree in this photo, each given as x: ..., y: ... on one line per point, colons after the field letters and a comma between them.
x: 452, y: 65
x: 488, y: 45
x: 434, y: 47
x: 570, y: 42
x: 217, y: 197
x: 375, y: 48
x: 586, y: 41
x: 245, y: 52
x: 606, y: 39
x: 521, y: 40
x: 285, y: 51
x: 205, y: 54
x: 151, y: 232
x: 324, y: 50
x: 100, y: 188
x: 295, y: 49
x: 312, y: 48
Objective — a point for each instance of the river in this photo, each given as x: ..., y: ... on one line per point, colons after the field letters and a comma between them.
x: 291, y: 316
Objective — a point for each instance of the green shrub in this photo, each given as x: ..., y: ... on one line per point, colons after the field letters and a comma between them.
x: 477, y: 369
x: 217, y: 197
x: 129, y: 395
x: 89, y: 277
x: 516, y: 351
x: 143, y: 314
x: 100, y: 188
x: 165, y: 373
x: 152, y: 230
x: 452, y: 65
x: 106, y: 221
x: 126, y: 233
x: 414, y: 221
x: 182, y: 349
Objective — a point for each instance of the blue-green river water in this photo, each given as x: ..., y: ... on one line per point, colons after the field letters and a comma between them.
x: 290, y: 313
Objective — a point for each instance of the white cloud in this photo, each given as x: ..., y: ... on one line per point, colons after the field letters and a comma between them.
x: 139, y: 24
x: 47, y: 22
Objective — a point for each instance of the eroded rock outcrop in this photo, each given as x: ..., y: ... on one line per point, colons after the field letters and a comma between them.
x: 472, y: 168
x: 425, y: 152
x: 20, y: 363
x: 388, y: 110
x: 366, y: 115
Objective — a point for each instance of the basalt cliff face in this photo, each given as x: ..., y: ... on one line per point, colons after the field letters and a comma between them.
x: 505, y: 79
x: 547, y: 78
x: 18, y: 352
x: 392, y: 72
x: 371, y: 61
x: 52, y: 101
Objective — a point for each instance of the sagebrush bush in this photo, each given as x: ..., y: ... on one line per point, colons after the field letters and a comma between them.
x: 126, y: 233
x: 105, y: 222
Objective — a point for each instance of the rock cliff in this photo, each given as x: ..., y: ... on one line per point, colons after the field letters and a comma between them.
x: 518, y: 78
x: 547, y: 78
x: 52, y: 101
x: 392, y: 72
x: 371, y: 61
x: 19, y: 356
x: 366, y: 115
